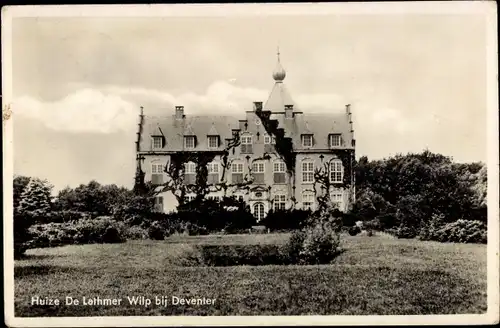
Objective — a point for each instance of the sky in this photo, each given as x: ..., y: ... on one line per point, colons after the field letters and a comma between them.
x: 414, y: 82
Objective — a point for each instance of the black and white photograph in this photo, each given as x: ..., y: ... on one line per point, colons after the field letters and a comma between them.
x: 250, y: 164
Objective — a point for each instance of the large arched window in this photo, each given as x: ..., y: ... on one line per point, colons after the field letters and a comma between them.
x: 258, y: 211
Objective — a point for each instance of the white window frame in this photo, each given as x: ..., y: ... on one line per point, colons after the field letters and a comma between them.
x: 337, y: 197
x: 239, y: 167
x: 214, y: 169
x: 258, y: 167
x: 307, y: 137
x: 246, y: 140
x: 154, y: 140
x: 307, y: 169
x: 158, y: 203
x: 308, y: 200
x: 336, y: 171
x: 335, y: 136
x: 216, y: 142
x: 190, y: 168
x: 279, y: 202
x: 157, y: 168
x: 279, y: 167
x: 258, y: 213
x: 192, y: 138
x: 269, y: 140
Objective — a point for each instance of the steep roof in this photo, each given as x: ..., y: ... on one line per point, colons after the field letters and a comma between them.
x: 278, y: 98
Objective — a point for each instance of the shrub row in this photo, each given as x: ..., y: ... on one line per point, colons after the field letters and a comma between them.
x: 460, y: 231
x: 84, y: 231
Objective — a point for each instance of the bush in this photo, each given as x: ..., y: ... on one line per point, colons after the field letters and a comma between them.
x: 460, y: 231
x: 229, y: 255
x: 320, y: 244
x: 156, y: 231
x: 285, y: 220
x: 353, y: 231
x: 294, y: 246
x: 406, y: 232
x: 136, y: 232
x: 85, y: 231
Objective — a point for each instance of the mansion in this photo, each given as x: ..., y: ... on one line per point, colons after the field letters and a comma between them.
x: 274, y: 157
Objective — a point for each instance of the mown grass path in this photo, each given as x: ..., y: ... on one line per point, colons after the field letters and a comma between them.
x: 375, y: 275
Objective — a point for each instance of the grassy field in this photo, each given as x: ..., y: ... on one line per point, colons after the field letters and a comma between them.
x: 375, y: 275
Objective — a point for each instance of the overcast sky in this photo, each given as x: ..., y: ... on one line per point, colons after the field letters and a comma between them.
x: 414, y: 82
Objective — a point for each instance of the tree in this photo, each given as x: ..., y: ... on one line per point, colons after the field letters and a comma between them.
x: 34, y: 205
x: 19, y: 184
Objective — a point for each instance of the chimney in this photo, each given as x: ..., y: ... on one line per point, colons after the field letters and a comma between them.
x: 179, y: 112
x: 348, y: 109
x: 288, y: 111
x: 257, y: 106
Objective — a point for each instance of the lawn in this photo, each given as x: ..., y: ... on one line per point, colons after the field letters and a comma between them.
x: 375, y: 275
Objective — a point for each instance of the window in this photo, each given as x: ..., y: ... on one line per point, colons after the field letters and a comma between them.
x: 258, y: 211
x: 237, y: 172
x: 157, y: 173
x: 308, y: 200
x: 246, y: 145
x: 335, y: 140
x: 336, y: 171
x: 213, y: 173
x: 158, y: 204
x: 279, y: 175
x: 214, y: 198
x: 307, y: 172
x: 157, y: 142
x: 189, y: 142
x: 279, y: 202
x: 190, y: 173
x: 307, y: 140
x: 213, y: 142
x: 336, y: 196
x: 258, y: 169
x: 269, y: 141
x: 190, y: 198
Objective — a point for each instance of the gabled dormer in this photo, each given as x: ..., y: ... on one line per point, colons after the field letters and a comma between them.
x: 157, y: 139
x: 213, y: 138
x: 335, y: 140
x: 307, y: 137
x: 190, y: 140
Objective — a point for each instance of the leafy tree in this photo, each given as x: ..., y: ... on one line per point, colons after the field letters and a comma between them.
x: 34, y: 205
x: 19, y: 184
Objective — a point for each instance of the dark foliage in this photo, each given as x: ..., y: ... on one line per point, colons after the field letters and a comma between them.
x: 285, y: 220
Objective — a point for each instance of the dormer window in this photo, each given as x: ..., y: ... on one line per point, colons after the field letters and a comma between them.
x: 335, y: 140
x: 213, y: 142
x: 307, y: 140
x: 269, y: 141
x: 246, y: 145
x: 189, y: 142
x: 157, y: 142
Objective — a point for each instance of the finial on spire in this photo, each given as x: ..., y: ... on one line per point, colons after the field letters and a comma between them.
x: 279, y: 73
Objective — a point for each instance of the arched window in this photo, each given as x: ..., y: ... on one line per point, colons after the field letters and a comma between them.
x: 336, y: 171
x: 258, y: 211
